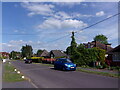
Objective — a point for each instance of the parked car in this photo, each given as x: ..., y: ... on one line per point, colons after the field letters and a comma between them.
x: 64, y: 64
x: 28, y: 61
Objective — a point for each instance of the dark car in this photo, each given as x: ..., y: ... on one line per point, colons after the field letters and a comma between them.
x: 64, y: 64
x: 28, y: 61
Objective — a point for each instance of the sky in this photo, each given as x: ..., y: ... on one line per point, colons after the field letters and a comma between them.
x: 48, y: 25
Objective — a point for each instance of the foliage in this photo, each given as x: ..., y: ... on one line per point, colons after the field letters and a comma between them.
x: 15, y: 55
x: 73, y: 46
x: 68, y: 50
x: 101, y: 38
x: 27, y: 51
x: 39, y: 52
x: 37, y: 57
x: 86, y: 56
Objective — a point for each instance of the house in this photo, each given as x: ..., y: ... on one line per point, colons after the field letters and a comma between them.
x: 114, y: 59
x: 92, y: 44
x: 106, y: 47
x: 44, y: 54
x: 4, y: 55
x: 57, y: 54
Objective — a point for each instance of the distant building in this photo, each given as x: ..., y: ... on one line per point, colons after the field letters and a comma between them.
x: 4, y: 55
x: 45, y: 54
x: 57, y: 53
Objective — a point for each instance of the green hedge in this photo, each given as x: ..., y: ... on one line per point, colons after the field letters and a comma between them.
x: 86, y: 56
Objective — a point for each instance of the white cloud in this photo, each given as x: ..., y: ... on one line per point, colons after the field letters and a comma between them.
x: 52, y: 23
x: 68, y: 4
x: 101, y: 13
x: 16, y: 31
x: 61, y: 15
x: 38, y: 8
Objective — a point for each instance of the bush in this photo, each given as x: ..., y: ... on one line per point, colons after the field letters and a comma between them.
x: 99, y: 67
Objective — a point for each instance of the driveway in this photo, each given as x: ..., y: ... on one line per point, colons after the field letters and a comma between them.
x: 46, y: 77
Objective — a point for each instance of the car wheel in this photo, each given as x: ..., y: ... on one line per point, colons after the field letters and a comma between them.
x: 63, y: 69
x: 55, y: 67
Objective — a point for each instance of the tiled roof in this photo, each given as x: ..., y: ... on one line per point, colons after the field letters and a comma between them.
x: 116, y: 49
x: 58, y: 53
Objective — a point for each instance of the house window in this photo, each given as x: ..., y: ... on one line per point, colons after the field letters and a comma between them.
x: 116, y: 56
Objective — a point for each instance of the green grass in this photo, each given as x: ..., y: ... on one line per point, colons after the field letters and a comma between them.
x: 10, y: 75
x: 100, y: 73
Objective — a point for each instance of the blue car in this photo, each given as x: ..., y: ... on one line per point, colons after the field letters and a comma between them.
x: 64, y: 64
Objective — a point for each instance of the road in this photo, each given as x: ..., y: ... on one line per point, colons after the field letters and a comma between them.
x: 46, y: 77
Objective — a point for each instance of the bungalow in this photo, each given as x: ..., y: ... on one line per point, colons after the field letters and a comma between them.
x: 44, y: 54
x: 56, y: 54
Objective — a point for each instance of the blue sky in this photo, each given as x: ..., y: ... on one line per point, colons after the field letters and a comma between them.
x: 40, y: 24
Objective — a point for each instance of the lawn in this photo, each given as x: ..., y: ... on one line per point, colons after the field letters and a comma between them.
x: 10, y: 75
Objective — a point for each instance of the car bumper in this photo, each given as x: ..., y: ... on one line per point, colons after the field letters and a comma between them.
x: 71, y: 69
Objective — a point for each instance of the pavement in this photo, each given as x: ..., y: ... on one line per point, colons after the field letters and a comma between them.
x: 46, y: 77
x: 21, y: 84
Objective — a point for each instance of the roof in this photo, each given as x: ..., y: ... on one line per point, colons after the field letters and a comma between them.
x: 58, y: 53
x: 106, y: 47
x: 4, y: 53
x: 116, y: 49
x: 44, y: 53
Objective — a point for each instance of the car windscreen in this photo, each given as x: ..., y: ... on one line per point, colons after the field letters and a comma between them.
x: 66, y: 60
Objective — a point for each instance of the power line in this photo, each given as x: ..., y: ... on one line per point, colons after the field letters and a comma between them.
x: 73, y: 31
x: 98, y: 22
x: 90, y: 26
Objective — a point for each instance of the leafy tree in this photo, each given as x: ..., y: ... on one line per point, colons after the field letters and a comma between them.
x: 68, y: 50
x: 15, y: 55
x: 101, y: 38
x: 27, y: 51
x: 39, y: 52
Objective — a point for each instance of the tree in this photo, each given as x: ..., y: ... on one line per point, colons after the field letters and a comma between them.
x: 68, y: 50
x: 73, y: 48
x: 73, y: 44
x: 39, y: 52
x: 101, y: 38
x: 27, y: 51
x: 15, y: 55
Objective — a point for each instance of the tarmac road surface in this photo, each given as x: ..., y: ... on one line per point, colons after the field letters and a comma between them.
x: 46, y: 77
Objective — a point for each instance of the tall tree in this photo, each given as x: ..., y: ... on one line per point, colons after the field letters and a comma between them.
x: 27, y: 51
x: 101, y: 38
x: 73, y: 44
x: 68, y: 50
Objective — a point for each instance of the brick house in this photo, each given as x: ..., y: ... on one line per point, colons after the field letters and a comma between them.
x: 4, y: 55
x: 114, y: 57
x: 92, y: 44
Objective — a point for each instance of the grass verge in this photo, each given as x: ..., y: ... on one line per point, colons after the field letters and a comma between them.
x: 100, y: 73
x: 10, y: 75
